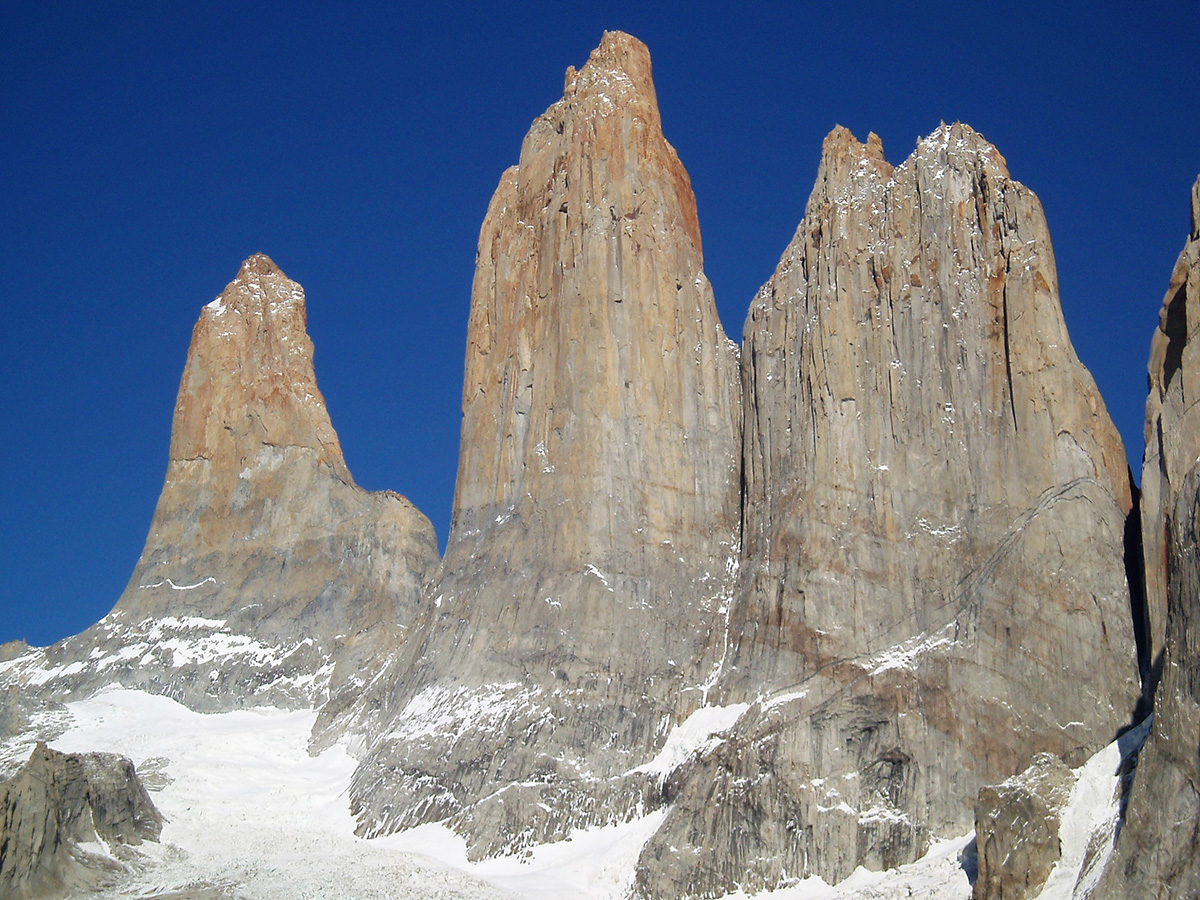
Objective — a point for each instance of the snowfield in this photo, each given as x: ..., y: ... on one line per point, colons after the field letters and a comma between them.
x: 251, y: 816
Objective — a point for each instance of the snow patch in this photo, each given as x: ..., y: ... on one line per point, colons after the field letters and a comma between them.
x: 589, y: 569
x: 443, y: 712
x: 178, y: 587
x: 697, y: 734
x: 248, y: 808
x: 1091, y: 814
x: 938, y: 874
x: 780, y: 699
x: 903, y: 656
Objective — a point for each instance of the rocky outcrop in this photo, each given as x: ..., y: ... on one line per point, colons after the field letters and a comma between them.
x: 596, y: 511
x: 933, y: 587
x: 1158, y: 849
x: 67, y: 822
x: 264, y: 562
x: 1017, y: 830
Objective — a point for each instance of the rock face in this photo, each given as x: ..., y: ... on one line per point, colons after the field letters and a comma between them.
x: 1016, y: 830
x: 932, y: 584
x: 66, y: 821
x: 596, y: 511
x: 264, y: 562
x: 1158, y: 849
x: 1172, y: 423
x: 805, y: 600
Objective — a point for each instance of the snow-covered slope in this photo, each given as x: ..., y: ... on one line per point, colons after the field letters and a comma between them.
x: 251, y: 815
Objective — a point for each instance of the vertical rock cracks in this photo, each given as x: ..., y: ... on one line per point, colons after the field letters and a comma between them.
x: 596, y: 512
x: 891, y: 543
x: 871, y: 563
x: 1158, y: 848
x: 932, y: 587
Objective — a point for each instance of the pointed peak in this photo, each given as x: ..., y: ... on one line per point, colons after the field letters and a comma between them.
x: 619, y: 50
x: 261, y: 286
x: 841, y: 142
x: 619, y: 68
x: 959, y: 140
x: 844, y: 158
x: 258, y: 265
x: 250, y: 350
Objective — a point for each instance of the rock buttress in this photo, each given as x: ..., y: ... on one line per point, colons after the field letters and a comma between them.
x: 1158, y: 848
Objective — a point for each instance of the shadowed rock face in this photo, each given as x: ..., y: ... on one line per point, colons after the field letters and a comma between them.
x: 933, y: 584
x: 1158, y: 850
x: 66, y: 821
x: 596, y: 509
x: 1172, y: 422
x: 265, y: 562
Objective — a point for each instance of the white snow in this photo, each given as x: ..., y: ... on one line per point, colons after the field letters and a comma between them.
x: 938, y: 875
x: 903, y: 656
x: 780, y: 699
x: 250, y: 809
x: 540, y: 449
x: 440, y: 711
x: 170, y: 640
x: 1091, y: 811
x: 592, y: 863
x: 696, y: 734
x: 952, y: 532
x: 590, y: 569
x: 178, y: 587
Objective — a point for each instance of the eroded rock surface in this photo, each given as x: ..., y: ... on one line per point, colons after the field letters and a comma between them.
x: 596, y: 510
x: 933, y: 587
x: 67, y: 821
x: 265, y: 563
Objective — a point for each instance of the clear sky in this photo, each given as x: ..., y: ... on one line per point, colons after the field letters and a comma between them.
x: 148, y: 148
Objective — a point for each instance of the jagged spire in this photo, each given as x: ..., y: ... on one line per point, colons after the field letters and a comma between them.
x: 249, y: 379
x: 597, y: 494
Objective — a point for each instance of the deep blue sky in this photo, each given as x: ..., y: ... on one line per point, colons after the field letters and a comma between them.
x: 147, y: 149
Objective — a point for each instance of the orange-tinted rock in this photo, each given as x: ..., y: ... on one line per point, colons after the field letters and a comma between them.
x: 596, y: 508
x: 265, y: 563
